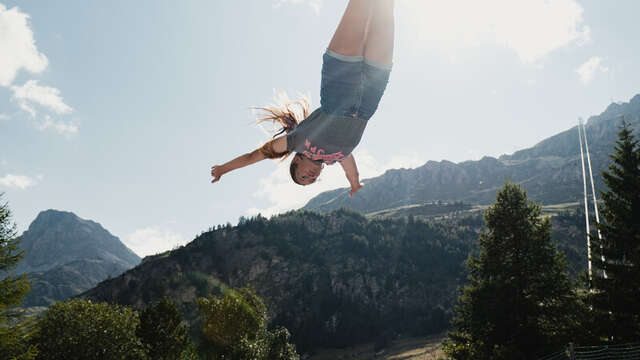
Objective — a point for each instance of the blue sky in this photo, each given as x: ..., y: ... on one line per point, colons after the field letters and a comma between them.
x: 117, y: 110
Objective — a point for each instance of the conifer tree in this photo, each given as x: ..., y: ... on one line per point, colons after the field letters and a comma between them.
x: 519, y: 295
x: 616, y: 297
x: 13, y: 288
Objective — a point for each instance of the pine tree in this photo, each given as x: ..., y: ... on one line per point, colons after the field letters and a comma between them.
x: 616, y: 298
x: 519, y: 295
x: 12, y: 290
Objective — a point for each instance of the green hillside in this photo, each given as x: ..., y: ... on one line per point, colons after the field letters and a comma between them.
x: 334, y: 279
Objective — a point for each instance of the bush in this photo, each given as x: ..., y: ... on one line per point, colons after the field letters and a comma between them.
x: 80, y: 329
x: 161, y: 331
x: 234, y: 326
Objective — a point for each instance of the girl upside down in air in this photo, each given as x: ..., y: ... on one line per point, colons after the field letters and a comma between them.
x: 355, y: 71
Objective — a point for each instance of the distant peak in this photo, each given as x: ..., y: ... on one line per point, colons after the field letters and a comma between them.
x: 617, y: 107
x: 55, y: 214
x: 52, y: 216
x: 614, y: 106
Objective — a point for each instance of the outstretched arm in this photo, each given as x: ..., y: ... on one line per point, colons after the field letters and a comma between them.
x: 351, y: 171
x: 278, y: 145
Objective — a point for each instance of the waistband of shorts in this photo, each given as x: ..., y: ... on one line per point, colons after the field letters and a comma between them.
x: 348, y: 58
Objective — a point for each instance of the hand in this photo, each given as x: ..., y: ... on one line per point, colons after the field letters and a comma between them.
x: 216, y: 172
x: 354, y: 188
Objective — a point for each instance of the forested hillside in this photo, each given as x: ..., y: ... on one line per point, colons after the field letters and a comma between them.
x: 333, y: 280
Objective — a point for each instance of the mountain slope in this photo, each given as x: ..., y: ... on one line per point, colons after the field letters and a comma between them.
x: 550, y: 172
x: 65, y: 255
x: 55, y: 238
x: 332, y: 279
x: 65, y: 281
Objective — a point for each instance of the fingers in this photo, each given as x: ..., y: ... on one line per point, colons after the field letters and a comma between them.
x: 215, y: 173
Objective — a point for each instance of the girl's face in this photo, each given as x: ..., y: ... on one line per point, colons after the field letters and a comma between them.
x: 307, y: 170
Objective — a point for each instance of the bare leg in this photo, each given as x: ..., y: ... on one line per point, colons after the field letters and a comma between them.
x: 349, y: 38
x: 380, y: 35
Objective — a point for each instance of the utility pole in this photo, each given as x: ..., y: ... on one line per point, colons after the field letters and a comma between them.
x: 593, y: 190
x: 586, y: 207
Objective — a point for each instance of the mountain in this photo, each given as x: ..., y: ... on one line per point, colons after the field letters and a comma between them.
x: 65, y: 281
x: 334, y: 279
x: 65, y: 255
x: 550, y: 171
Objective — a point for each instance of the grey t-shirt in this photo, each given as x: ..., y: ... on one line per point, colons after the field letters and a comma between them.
x: 325, y: 137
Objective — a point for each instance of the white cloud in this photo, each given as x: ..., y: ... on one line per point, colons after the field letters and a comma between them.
x: 17, y: 181
x: 587, y: 70
x: 48, y: 97
x: 153, y: 240
x: 316, y: 5
x: 283, y: 194
x: 60, y: 127
x: 17, y: 46
x: 531, y: 28
x: 18, y: 51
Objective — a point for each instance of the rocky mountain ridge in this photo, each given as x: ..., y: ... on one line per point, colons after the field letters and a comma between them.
x: 550, y: 171
x: 65, y: 255
x: 336, y: 277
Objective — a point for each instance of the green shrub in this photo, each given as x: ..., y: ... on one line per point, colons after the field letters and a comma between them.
x: 80, y: 329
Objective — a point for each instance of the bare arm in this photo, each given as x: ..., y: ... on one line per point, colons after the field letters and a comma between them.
x: 351, y: 171
x: 278, y: 145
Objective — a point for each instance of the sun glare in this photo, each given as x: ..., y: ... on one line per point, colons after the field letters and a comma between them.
x: 531, y: 28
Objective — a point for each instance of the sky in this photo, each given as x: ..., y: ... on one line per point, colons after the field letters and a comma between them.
x: 116, y: 110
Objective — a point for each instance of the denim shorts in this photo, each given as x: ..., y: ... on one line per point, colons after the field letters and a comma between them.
x: 351, y: 86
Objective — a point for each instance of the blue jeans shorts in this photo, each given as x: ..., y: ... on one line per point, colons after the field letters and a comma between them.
x: 351, y: 86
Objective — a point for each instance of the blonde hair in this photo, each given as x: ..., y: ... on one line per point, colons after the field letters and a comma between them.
x: 286, y: 113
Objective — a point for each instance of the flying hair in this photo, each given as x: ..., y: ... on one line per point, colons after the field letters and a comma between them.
x: 286, y: 113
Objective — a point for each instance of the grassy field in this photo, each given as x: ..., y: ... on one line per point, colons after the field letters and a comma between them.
x: 557, y: 208
x: 422, y: 348
x: 446, y: 210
